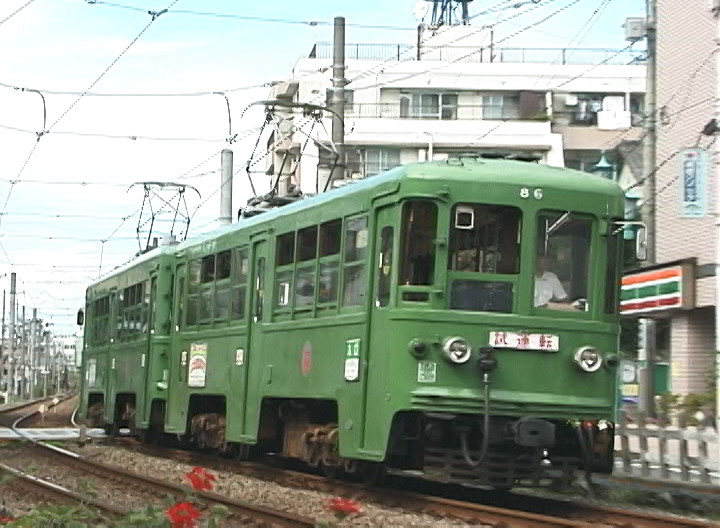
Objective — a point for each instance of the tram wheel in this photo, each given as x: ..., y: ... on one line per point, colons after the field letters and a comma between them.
x: 242, y: 452
x: 111, y: 430
x: 373, y: 473
x: 330, y: 471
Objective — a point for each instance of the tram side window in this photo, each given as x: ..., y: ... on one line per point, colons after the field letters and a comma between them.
x: 284, y: 259
x: 418, y: 242
x: 205, y: 297
x: 101, y: 321
x: 193, y: 292
x: 239, y: 282
x: 329, y: 267
x: 385, y: 259
x: 305, y: 271
x: 223, y: 263
x: 133, y: 305
x: 612, y: 277
x: 356, y: 242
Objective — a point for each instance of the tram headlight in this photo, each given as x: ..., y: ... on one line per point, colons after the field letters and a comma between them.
x: 588, y: 359
x: 457, y: 350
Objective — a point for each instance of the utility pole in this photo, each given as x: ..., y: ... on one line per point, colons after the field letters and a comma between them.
x: 33, y: 332
x: 23, y: 356
x: 45, y: 362
x: 337, y: 104
x: 647, y: 382
x: 716, y: 13
x: 11, y: 386
x: 4, y: 357
x: 226, y: 185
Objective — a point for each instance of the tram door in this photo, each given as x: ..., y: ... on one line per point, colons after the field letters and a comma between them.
x: 111, y: 357
x: 148, y: 360
x: 378, y: 360
x: 175, y: 419
x: 253, y: 365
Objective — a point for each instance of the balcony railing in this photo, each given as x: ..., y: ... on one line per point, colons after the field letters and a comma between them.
x: 594, y: 119
x: 401, y: 52
x: 444, y: 112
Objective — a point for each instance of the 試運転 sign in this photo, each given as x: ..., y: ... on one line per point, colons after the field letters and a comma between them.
x: 661, y: 288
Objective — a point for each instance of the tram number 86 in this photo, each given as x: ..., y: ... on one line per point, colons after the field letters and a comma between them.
x: 537, y: 193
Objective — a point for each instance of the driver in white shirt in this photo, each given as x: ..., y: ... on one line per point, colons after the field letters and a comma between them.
x: 549, y: 293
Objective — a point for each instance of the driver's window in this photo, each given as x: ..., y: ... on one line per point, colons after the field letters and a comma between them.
x: 562, y: 261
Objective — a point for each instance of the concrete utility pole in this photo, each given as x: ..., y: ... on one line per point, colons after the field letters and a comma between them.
x: 4, y: 357
x: 226, y: 184
x: 337, y: 103
x: 23, y: 356
x: 716, y: 13
x: 45, y: 363
x: 647, y: 383
x: 33, y: 332
x: 12, y: 387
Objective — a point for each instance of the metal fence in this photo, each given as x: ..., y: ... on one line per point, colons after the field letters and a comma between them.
x: 687, y: 454
x: 579, y: 56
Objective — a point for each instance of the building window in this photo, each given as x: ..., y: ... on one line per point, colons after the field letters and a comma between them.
x: 380, y: 160
x: 429, y: 105
x: 501, y: 106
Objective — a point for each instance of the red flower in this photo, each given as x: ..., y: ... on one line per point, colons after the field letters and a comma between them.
x: 200, y: 479
x: 182, y: 515
x: 343, y: 507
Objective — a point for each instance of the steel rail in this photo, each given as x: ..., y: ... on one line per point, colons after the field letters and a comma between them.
x: 578, y: 514
x: 50, y: 488
x: 243, y: 510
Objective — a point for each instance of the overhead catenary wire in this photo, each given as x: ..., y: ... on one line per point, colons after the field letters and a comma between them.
x: 251, y: 18
x: 467, y: 55
x: 202, y: 93
x: 76, y: 101
x: 17, y: 11
x: 409, y: 55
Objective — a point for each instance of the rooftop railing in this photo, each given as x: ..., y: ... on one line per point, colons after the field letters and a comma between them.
x: 438, y: 112
x: 402, y: 52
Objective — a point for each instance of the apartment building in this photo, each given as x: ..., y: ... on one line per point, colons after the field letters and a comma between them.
x: 457, y: 94
x: 685, y: 200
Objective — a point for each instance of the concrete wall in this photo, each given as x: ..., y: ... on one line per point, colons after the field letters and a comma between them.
x: 692, y: 344
x: 686, y: 89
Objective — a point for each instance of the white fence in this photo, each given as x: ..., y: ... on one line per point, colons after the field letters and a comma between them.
x: 688, y: 454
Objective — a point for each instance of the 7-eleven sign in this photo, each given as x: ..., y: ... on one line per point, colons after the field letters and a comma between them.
x: 663, y: 288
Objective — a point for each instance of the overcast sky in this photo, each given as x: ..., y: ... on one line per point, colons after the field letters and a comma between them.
x: 72, y: 189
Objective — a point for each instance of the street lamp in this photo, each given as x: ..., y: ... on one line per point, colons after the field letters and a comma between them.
x: 604, y: 168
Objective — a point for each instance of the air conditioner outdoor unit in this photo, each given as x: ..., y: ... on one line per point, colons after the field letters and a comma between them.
x: 634, y: 28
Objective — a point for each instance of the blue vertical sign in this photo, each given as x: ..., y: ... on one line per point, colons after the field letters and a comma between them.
x: 693, y: 167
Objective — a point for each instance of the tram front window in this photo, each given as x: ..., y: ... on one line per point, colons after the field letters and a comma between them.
x: 562, y: 261
x: 484, y: 257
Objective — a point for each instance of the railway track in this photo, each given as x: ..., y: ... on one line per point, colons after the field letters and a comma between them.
x: 45, y: 488
x: 511, y: 510
x: 515, y: 510
x: 241, y: 513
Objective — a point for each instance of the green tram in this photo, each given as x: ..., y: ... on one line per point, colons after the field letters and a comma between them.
x: 457, y: 319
